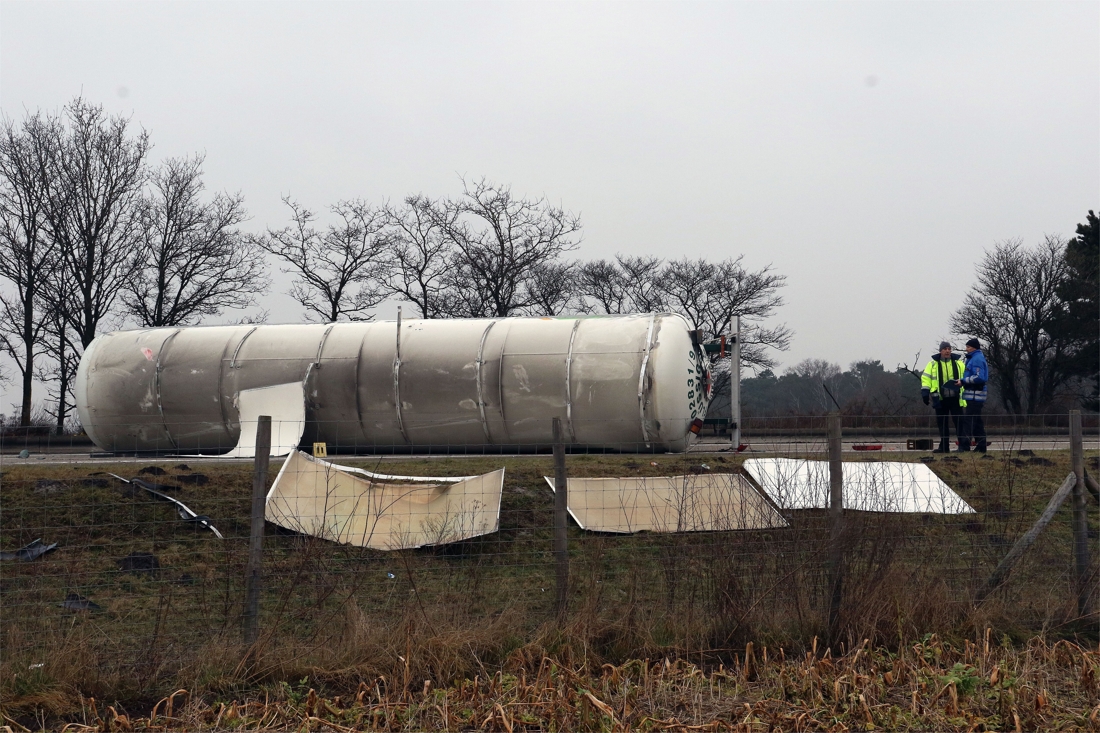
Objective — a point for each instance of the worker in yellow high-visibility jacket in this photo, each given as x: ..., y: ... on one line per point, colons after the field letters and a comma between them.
x: 941, y: 384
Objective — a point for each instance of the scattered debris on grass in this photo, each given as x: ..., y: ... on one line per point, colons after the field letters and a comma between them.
x: 29, y: 552
x: 139, y: 562
x: 45, y: 487
x: 77, y: 602
x: 182, y: 509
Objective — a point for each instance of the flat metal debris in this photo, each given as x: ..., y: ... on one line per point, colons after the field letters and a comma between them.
x: 696, y: 503
x: 322, y: 499
x: 29, y: 552
x: 406, y: 479
x: 888, y: 486
x: 185, y: 513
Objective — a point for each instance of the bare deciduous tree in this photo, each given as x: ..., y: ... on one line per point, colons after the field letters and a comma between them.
x: 552, y: 289
x: 690, y: 288
x: 338, y: 272
x: 94, y: 174
x: 603, y: 282
x: 420, y: 252
x: 196, y: 262
x: 499, y: 240
x: 643, y: 282
x: 26, y: 254
x: 1012, y: 309
x: 710, y: 295
x: 627, y: 284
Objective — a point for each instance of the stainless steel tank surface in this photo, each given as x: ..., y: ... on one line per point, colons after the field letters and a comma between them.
x: 633, y: 382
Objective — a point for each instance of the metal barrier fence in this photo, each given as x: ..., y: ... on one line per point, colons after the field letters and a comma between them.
x: 146, y: 567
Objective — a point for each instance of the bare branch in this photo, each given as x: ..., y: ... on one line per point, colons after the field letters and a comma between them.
x: 196, y: 261
x: 95, y: 172
x: 499, y: 240
x: 420, y: 252
x: 339, y: 272
x: 551, y: 288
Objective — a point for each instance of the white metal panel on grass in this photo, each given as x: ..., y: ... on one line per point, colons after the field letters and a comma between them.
x: 324, y: 500
x: 696, y: 503
x: 888, y: 486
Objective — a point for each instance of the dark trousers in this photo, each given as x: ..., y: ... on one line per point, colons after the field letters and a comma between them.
x: 946, y: 409
x: 972, y: 427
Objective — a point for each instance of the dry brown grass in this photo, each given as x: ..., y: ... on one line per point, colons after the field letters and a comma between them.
x: 930, y: 684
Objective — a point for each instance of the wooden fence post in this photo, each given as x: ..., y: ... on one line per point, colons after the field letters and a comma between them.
x: 1080, y: 513
x: 836, y: 519
x: 561, y: 521
x: 1004, y: 567
x: 735, y: 386
x: 253, y: 579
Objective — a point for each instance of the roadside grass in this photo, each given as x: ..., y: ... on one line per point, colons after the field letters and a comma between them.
x: 482, y: 609
x: 930, y: 684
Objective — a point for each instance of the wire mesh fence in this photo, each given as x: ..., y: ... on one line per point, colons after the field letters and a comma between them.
x: 432, y: 562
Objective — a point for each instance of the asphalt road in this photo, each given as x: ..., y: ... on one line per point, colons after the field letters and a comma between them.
x: 770, y: 446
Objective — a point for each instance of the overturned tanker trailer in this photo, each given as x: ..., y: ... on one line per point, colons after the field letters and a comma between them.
x: 635, y: 382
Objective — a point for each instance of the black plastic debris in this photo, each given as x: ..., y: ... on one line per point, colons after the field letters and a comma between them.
x: 1040, y: 461
x: 98, y: 483
x: 139, y: 562
x: 927, y: 459
x: 33, y: 551
x: 152, y: 471
x: 77, y: 603
x: 197, y: 479
x: 46, y: 486
x: 181, y: 467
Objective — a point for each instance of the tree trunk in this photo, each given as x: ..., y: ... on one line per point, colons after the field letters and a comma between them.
x: 30, y: 332
x: 28, y: 384
x: 63, y: 387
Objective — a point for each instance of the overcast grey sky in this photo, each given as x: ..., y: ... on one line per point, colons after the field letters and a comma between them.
x: 869, y: 151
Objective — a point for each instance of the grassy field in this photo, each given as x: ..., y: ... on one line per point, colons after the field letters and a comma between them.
x: 337, y: 619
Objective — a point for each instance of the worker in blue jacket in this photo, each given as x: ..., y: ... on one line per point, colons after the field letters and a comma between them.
x: 974, y: 381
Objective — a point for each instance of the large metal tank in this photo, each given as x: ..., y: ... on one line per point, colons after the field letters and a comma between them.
x: 625, y: 382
